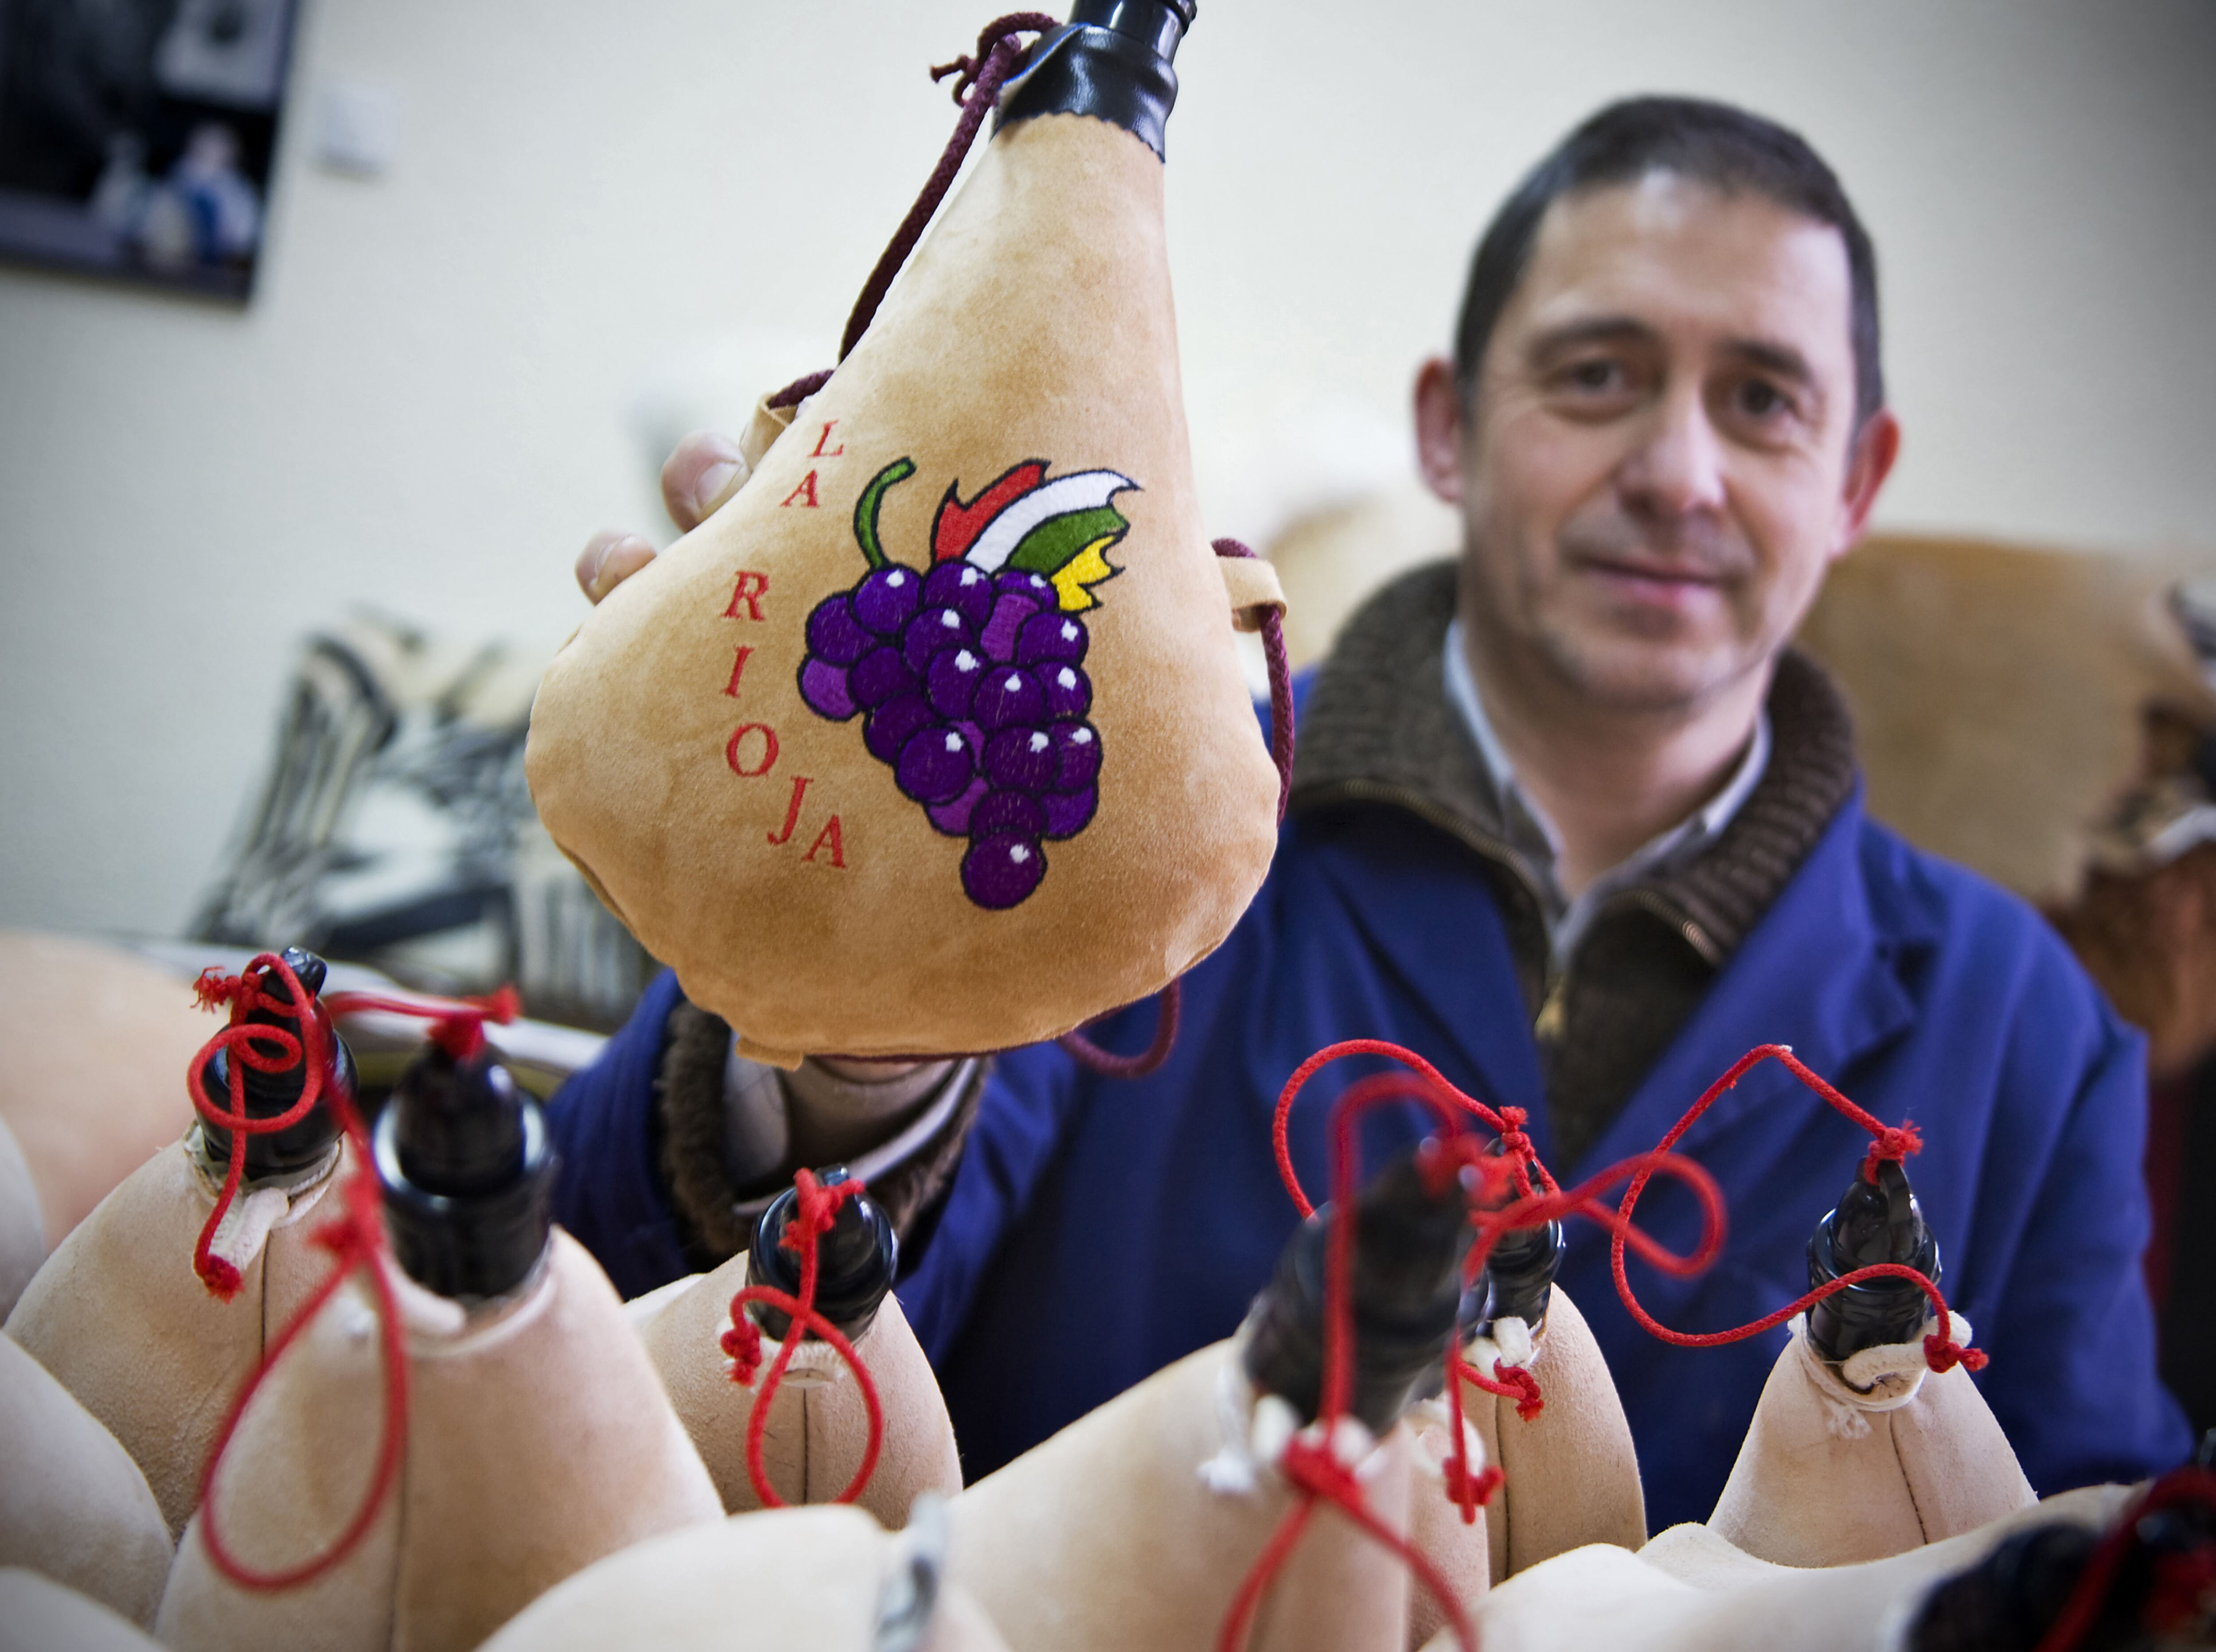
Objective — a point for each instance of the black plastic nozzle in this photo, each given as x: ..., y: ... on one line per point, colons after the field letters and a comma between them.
x: 468, y: 1174
x: 1111, y: 60
x: 1520, y: 1273
x: 1873, y: 1222
x: 854, y: 1261
x: 1406, y: 1283
x: 302, y: 1144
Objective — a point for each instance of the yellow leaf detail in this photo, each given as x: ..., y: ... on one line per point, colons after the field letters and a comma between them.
x: 1073, y: 581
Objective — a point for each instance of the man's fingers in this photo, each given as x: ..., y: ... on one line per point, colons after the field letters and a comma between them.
x: 609, y: 559
x: 706, y: 470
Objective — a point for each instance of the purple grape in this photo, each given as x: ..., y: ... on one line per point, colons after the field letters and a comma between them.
x: 1010, y: 611
x: 892, y: 724
x: 1011, y: 812
x: 1031, y: 585
x: 1021, y: 759
x: 1051, y: 635
x: 879, y: 675
x: 1001, y: 871
x: 953, y: 681
x: 936, y: 765
x: 1068, y: 812
x: 963, y: 587
x: 886, y: 599
x: 953, y: 818
x: 1009, y: 696
x: 973, y: 734
x: 929, y: 634
x: 824, y: 686
x: 1068, y: 691
x: 1077, y: 753
x: 834, y: 634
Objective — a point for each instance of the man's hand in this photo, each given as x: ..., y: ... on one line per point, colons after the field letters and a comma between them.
x: 706, y: 470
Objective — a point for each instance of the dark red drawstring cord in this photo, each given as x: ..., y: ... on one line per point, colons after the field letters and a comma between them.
x: 355, y: 1237
x: 817, y: 1208
x: 1280, y: 684
x: 1170, y: 1002
x: 1888, y: 1143
x: 976, y: 90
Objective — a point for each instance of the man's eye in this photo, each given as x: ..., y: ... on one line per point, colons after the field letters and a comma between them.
x: 1759, y: 399
x: 1596, y: 376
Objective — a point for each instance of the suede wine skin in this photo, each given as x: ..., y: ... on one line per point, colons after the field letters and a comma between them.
x: 933, y: 738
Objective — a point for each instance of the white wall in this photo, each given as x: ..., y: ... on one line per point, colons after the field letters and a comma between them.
x: 432, y: 400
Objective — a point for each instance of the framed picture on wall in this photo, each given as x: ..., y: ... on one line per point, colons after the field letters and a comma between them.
x: 137, y: 137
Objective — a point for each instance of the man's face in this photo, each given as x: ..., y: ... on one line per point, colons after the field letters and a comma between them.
x: 1660, y: 460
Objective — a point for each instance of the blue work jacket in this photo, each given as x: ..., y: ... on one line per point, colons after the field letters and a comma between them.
x: 1098, y: 1229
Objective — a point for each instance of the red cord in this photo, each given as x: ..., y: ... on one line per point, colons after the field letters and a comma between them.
x: 1887, y: 1143
x: 817, y: 1208
x: 1514, y: 1190
x: 2184, y: 1587
x: 355, y: 1238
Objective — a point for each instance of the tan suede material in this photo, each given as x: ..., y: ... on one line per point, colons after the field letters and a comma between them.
x: 119, y: 1316
x: 1105, y: 1536
x: 1805, y: 1491
x: 538, y: 1441
x: 89, y: 1108
x: 37, y: 1614
x: 818, y: 1427
x: 1462, y: 1554
x: 1602, y: 1597
x: 807, y: 1579
x: 22, y: 1228
x: 72, y: 1503
x: 1572, y: 1473
x: 1034, y: 323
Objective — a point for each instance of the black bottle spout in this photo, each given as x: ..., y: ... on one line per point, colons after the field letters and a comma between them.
x: 468, y: 1174
x: 1111, y: 60
x: 1519, y: 1274
x: 1410, y: 1242
x: 1874, y: 1222
x: 303, y: 1144
x: 855, y: 1262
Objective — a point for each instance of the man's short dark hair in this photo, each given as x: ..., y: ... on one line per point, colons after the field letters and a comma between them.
x: 1714, y: 143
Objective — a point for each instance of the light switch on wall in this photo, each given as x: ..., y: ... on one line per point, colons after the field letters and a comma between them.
x: 359, y: 127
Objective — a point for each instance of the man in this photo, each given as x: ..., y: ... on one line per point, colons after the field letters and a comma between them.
x: 1573, y: 822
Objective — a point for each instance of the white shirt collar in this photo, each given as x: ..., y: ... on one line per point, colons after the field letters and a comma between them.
x: 1534, y: 836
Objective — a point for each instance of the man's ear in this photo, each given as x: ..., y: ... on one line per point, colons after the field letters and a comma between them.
x: 1876, y: 447
x: 1439, y: 429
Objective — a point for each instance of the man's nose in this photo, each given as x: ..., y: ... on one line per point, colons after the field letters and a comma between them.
x: 1677, y: 467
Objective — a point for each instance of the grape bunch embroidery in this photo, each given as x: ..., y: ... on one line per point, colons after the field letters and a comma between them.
x: 969, y: 675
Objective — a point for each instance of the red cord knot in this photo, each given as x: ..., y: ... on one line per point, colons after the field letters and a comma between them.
x: 1001, y: 31
x: 816, y: 1208
x: 1513, y: 1142
x: 1891, y: 1145
x: 1943, y: 1354
x: 743, y: 1343
x: 1529, y: 1401
x: 1471, y: 1492
x: 212, y: 988
x: 222, y: 1280
x: 1310, y: 1465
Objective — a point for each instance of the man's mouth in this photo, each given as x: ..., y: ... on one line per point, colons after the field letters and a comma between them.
x: 1655, y: 580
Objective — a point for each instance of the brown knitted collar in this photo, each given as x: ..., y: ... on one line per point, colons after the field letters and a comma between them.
x: 1377, y: 728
